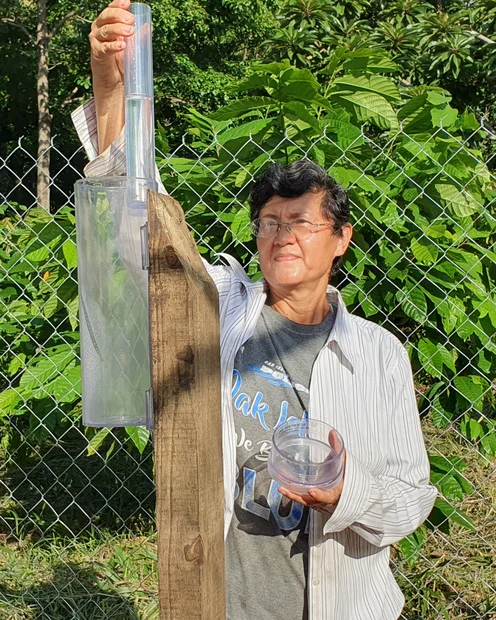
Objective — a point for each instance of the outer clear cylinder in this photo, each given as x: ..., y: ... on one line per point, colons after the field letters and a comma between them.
x: 138, y: 84
x: 113, y: 299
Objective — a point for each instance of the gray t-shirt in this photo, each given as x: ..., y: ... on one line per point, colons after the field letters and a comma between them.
x: 267, y: 544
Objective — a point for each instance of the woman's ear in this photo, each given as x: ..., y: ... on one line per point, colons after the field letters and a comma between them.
x: 344, y: 239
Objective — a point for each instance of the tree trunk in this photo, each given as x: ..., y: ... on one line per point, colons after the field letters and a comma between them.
x: 43, y: 180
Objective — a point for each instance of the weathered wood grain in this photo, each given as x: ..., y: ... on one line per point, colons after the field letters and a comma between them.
x: 185, y: 345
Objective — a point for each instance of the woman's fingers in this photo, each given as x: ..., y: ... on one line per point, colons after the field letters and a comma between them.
x: 295, y: 497
x: 315, y: 498
x: 113, y: 32
x: 110, y: 29
x: 123, y: 4
x: 112, y: 15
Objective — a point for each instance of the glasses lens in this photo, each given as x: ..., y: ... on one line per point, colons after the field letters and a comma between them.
x: 302, y: 230
x: 263, y: 227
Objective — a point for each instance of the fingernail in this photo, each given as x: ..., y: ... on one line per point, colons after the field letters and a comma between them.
x: 129, y: 29
x: 128, y: 17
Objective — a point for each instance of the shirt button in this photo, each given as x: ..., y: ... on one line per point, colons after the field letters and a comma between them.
x: 316, y: 582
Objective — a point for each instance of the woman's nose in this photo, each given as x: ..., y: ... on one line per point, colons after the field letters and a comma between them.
x: 283, y: 235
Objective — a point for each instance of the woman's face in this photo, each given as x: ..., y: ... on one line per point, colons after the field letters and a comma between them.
x: 288, y: 261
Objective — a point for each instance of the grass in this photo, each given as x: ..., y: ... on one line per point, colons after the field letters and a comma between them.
x: 455, y: 577
x: 77, y: 540
x: 103, y: 577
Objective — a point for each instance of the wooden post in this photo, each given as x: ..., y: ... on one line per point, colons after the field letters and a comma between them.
x: 185, y: 345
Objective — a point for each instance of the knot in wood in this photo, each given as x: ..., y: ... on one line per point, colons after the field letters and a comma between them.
x: 186, y: 367
x: 194, y: 552
x: 170, y: 257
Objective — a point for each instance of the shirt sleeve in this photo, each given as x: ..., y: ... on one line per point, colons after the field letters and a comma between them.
x: 384, y: 509
x: 112, y: 162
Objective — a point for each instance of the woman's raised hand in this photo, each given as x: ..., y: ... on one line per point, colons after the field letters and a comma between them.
x: 108, y: 40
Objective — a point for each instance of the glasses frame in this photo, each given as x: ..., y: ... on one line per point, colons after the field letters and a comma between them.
x: 288, y: 226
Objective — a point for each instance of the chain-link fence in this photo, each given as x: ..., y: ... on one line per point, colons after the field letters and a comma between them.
x: 77, y: 505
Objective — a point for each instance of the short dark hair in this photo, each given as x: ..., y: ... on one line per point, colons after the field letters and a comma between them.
x: 296, y: 179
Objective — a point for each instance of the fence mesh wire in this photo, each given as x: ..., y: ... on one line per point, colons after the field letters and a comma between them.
x: 77, y: 506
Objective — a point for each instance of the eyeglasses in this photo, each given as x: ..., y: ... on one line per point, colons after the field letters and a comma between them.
x: 266, y: 227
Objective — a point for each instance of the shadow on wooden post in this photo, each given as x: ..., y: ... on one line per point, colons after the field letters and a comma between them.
x: 185, y: 345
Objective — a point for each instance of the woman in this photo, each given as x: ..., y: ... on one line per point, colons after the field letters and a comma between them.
x: 290, y: 349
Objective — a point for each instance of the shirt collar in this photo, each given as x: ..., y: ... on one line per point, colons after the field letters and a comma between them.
x: 342, y: 331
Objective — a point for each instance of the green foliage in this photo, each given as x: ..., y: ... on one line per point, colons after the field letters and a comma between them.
x: 450, y: 44
x: 39, y: 364
x: 430, y: 279
x: 40, y: 372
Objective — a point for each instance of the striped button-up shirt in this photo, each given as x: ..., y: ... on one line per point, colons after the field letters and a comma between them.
x: 362, y: 385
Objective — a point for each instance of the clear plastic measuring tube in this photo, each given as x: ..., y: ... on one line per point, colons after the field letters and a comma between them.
x: 138, y: 84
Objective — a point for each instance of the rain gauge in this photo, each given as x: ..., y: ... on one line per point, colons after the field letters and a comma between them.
x: 111, y: 228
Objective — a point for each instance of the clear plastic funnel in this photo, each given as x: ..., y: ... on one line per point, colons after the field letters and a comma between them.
x: 138, y: 84
x: 306, y: 454
x: 113, y: 299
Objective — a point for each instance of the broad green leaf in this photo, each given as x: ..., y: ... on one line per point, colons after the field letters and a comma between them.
x: 371, y: 62
x: 38, y: 255
x: 72, y: 311
x: 446, y: 357
x: 413, y: 303
x: 476, y: 429
x: 240, y: 226
x: 97, y: 440
x: 9, y: 291
x: 300, y: 111
x: 411, y: 545
x: 241, y: 107
x: 349, y: 293
x: 435, y: 231
x: 488, y: 442
x: 452, y: 311
x: 252, y: 128
x: 367, y: 304
x: 471, y: 389
x: 450, y: 488
x: 465, y: 485
x: 345, y: 176
x: 50, y: 308
x: 256, y: 81
x: 444, y: 117
x: 66, y: 388
x: 441, y: 416
x: 459, y: 202
x: 272, y: 67
x: 412, y: 107
x: 424, y: 251
x: 429, y: 357
x: 483, y: 362
x: 70, y: 253
x: 301, y: 90
x: 438, y: 97
x: 319, y: 156
x: 446, y: 464
x: 375, y: 84
x: 45, y: 368
x: 370, y: 107
x: 15, y: 363
x: 454, y: 514
x: 139, y: 435
x: 9, y: 399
